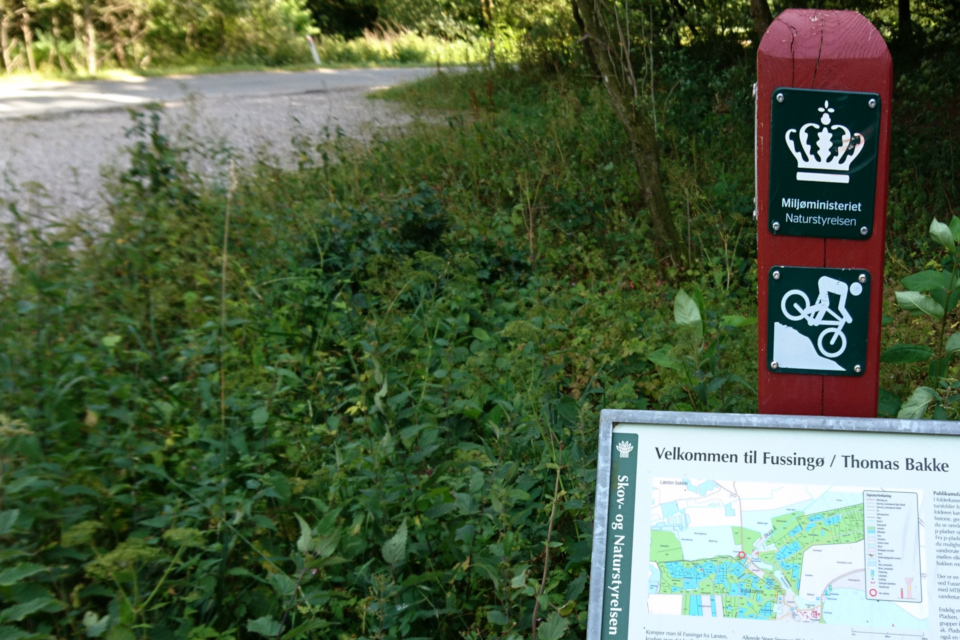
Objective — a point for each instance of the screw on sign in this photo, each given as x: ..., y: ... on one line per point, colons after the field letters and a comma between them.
x: 824, y: 85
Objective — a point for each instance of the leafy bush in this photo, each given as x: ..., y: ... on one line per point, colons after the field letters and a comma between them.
x: 356, y: 398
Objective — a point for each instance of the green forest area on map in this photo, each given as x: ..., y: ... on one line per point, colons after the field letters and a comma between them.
x: 748, y: 595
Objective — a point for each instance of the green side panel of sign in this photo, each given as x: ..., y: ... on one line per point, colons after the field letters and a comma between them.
x: 817, y: 320
x: 823, y: 163
x: 620, y: 532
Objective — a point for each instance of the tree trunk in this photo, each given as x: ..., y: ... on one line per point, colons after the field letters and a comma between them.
x: 56, y: 43
x: 618, y: 81
x: 90, y: 38
x: 28, y: 40
x: 760, y: 13
x: 582, y: 30
x: 904, y: 22
x: 5, y: 38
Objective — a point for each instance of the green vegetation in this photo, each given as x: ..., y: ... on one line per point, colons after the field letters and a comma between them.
x: 407, y: 349
x: 406, y: 47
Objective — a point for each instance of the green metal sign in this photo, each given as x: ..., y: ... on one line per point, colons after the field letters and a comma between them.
x: 620, y: 536
x: 817, y: 320
x: 823, y: 163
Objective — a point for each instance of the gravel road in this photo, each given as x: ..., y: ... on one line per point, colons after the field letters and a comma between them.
x: 57, y: 138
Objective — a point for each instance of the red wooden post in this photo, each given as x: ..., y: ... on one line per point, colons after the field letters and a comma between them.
x: 837, y: 51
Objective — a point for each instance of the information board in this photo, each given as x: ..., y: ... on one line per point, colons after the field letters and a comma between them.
x: 754, y: 527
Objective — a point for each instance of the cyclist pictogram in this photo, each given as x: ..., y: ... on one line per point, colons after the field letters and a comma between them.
x: 796, y: 306
x: 817, y: 320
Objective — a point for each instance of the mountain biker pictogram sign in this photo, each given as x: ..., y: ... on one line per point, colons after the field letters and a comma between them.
x: 817, y: 320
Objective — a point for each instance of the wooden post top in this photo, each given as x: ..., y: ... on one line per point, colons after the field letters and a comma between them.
x: 830, y: 41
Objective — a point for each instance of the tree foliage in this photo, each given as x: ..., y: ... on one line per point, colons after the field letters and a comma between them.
x: 87, y: 35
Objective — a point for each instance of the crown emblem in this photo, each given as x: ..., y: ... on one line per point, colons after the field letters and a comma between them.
x: 832, y: 157
x: 624, y: 448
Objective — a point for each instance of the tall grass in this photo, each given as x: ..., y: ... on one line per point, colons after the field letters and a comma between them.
x: 399, y: 46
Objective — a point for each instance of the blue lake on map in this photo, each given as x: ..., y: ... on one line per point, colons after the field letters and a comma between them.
x: 653, y: 584
x: 850, y: 607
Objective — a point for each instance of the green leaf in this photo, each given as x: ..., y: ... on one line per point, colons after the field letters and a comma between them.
x: 94, y: 624
x: 915, y: 301
x: 284, y: 585
x: 259, y: 416
x: 888, y: 404
x: 480, y: 334
x: 664, y: 357
x: 953, y: 343
x: 7, y: 520
x: 496, y: 616
x: 305, y: 541
x: 926, y: 281
x: 18, y: 612
x: 25, y: 306
x: 575, y: 588
x: 9, y: 632
x: 266, y: 626
x: 942, y: 234
x: 13, y: 575
x: 303, y: 631
x: 121, y: 632
x: 697, y: 296
x: 737, y: 321
x: 111, y: 340
x: 408, y: 435
x: 395, y: 549
x: 686, y: 313
x: 955, y: 228
x: 904, y: 353
x: 325, y: 546
x: 918, y: 403
x: 553, y: 627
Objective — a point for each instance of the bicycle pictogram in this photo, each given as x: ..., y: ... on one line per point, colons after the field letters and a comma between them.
x: 795, y: 305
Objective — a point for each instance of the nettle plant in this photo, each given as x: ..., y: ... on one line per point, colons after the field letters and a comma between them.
x: 933, y: 292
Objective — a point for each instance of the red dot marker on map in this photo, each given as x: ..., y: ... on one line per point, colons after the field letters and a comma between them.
x: 741, y: 555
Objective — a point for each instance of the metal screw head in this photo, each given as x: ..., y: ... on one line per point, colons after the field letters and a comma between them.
x: 864, y: 231
x: 863, y: 278
x: 776, y: 226
x: 857, y: 369
x: 872, y: 103
x: 774, y: 365
x: 776, y: 275
x: 779, y: 97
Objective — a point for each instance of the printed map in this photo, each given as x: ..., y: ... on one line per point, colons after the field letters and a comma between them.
x: 763, y: 551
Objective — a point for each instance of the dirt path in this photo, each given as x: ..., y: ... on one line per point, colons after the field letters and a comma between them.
x: 55, y: 144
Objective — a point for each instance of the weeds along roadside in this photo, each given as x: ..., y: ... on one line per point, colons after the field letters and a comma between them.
x: 377, y: 415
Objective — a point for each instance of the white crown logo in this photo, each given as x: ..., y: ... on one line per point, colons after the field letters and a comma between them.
x: 624, y: 448
x: 830, y: 157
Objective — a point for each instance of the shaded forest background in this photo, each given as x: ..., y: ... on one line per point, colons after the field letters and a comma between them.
x: 84, y: 36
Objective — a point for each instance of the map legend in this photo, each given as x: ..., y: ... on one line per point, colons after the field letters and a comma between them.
x: 891, y: 521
